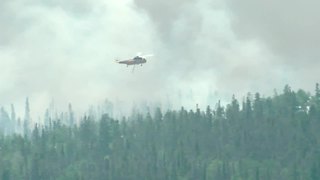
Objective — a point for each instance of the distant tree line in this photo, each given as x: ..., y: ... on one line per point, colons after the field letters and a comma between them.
x: 259, y: 138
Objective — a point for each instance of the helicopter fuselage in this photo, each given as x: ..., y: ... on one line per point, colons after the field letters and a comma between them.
x: 135, y: 61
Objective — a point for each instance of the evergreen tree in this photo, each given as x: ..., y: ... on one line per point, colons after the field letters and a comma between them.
x: 13, y: 120
x: 71, y: 120
x: 27, y: 119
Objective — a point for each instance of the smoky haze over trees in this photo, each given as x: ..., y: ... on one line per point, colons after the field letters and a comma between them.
x: 253, y: 138
x: 13, y: 122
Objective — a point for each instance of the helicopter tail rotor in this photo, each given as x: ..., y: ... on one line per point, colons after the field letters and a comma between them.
x: 117, y: 59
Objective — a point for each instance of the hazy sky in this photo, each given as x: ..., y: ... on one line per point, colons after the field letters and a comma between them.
x: 65, y: 49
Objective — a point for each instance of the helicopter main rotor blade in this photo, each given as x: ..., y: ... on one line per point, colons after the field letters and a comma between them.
x: 147, y: 55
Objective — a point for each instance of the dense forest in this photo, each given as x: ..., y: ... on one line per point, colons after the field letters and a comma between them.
x: 255, y: 138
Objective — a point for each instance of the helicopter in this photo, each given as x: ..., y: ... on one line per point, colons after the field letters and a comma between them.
x: 137, y: 60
